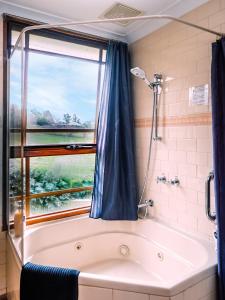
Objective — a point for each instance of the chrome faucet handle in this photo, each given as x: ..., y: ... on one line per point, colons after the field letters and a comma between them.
x: 175, y: 181
x: 161, y: 179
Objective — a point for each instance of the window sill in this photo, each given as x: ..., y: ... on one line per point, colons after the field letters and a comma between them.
x: 58, y: 215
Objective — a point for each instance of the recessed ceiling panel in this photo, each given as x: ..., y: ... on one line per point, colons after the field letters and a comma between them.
x: 119, y: 10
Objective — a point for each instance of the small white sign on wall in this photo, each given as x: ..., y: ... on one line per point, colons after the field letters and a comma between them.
x: 199, y: 95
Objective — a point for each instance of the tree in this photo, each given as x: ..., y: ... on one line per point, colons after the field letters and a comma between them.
x: 42, y: 121
x: 67, y: 118
x: 76, y: 119
x: 41, y: 118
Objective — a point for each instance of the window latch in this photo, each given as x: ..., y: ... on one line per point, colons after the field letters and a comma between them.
x: 76, y: 147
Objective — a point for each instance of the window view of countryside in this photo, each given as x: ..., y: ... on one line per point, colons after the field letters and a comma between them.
x: 61, y: 94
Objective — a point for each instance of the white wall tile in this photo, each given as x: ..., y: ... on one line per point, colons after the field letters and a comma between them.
x: 123, y: 295
x: 178, y: 297
x: 94, y: 293
x: 210, y: 284
x: 211, y: 296
x: 185, y: 149
x: 196, y: 292
x: 153, y: 297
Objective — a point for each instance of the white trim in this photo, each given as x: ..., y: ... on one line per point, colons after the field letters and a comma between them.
x: 40, y: 16
x: 135, y: 31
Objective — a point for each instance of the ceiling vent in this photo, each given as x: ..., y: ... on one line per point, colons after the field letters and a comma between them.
x: 120, y: 10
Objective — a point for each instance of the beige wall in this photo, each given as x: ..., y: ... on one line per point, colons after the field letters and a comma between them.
x: 2, y: 235
x: 184, y: 54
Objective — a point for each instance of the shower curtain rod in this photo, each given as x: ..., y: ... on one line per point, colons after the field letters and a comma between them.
x: 113, y: 20
x: 21, y: 39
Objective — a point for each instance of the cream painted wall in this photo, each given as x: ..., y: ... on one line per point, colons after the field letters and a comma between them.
x: 184, y: 54
x: 2, y: 235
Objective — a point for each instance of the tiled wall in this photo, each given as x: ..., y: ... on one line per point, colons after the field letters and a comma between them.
x: 183, y: 55
x: 2, y: 235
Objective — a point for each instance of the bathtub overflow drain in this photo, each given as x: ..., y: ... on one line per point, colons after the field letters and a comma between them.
x: 160, y: 256
x: 124, y: 250
x: 78, y: 246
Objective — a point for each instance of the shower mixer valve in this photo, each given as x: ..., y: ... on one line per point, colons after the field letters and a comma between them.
x: 162, y: 179
x: 174, y: 181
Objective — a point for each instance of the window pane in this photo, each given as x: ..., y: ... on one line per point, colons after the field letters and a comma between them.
x: 104, y: 55
x: 46, y: 205
x: 15, y: 98
x: 15, y: 177
x: 14, y: 36
x: 15, y: 138
x: 60, y: 138
x: 15, y: 180
x: 61, y: 47
x: 101, y: 79
x: 61, y: 172
x: 62, y: 92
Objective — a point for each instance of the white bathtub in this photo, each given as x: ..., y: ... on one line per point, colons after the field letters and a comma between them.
x: 126, y: 260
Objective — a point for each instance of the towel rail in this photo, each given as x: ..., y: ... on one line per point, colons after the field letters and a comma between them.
x: 210, y: 215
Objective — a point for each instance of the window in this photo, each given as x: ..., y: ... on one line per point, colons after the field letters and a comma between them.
x: 55, y: 133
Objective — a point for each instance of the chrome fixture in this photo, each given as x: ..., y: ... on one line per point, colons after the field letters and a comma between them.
x: 161, y: 179
x: 155, y: 85
x: 210, y: 215
x: 145, y: 205
x: 157, y: 91
x: 174, y: 181
x: 138, y: 72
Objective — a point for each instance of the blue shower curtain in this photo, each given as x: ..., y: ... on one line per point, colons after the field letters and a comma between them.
x: 115, y: 189
x: 218, y: 123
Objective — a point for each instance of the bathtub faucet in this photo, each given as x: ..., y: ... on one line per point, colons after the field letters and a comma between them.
x: 145, y: 206
x: 147, y: 203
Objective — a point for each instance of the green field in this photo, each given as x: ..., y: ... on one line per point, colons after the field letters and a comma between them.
x: 53, y: 138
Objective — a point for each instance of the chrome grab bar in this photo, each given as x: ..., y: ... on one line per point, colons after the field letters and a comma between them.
x: 211, y: 216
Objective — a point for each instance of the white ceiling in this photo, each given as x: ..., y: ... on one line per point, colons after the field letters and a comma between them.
x: 67, y: 10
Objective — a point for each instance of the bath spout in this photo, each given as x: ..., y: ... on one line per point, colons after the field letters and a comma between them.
x: 147, y: 203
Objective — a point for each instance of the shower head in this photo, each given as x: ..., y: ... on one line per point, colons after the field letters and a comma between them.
x: 155, y: 85
x: 138, y: 72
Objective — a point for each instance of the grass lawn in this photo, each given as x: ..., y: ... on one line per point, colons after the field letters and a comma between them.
x: 53, y: 138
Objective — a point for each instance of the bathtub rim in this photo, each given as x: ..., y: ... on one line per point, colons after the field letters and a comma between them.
x: 94, y: 280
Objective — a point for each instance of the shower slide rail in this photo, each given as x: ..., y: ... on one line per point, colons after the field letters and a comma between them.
x: 210, y: 215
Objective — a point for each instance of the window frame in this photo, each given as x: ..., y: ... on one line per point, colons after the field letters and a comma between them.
x: 9, y: 23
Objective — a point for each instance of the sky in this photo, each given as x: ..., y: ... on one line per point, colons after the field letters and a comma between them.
x: 58, y: 84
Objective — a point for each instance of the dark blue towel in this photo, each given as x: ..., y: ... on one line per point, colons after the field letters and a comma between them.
x: 48, y: 283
